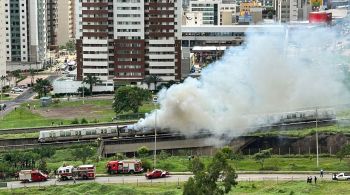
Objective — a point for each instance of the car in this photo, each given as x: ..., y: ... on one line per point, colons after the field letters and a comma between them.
x: 341, y: 176
x: 157, y: 173
x: 16, y: 90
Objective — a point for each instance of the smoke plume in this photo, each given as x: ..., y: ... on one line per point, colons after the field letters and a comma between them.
x: 284, y: 70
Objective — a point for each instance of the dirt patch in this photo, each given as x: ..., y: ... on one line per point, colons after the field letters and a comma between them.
x: 87, y: 111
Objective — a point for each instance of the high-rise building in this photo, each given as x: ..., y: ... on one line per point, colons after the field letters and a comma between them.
x: 287, y: 10
x: 25, y: 29
x: 123, y: 41
x: 65, y: 21
x: 51, y: 6
x: 2, y: 41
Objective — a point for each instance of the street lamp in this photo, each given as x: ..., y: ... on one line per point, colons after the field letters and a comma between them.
x: 317, y: 138
x: 155, y: 99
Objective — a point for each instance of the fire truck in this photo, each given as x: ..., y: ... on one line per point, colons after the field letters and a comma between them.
x: 32, y: 176
x: 124, y: 166
x: 80, y: 172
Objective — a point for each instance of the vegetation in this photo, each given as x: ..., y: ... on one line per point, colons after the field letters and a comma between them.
x: 83, y: 153
x: 143, y: 151
x: 69, y: 46
x: 254, y: 188
x: 42, y: 87
x: 84, y: 91
x: 206, y: 180
x: 261, y: 156
x: 152, y: 79
x: 92, y: 81
x: 130, y: 99
x: 343, y: 152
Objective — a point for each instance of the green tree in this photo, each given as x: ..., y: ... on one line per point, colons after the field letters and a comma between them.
x: 129, y: 98
x: 143, y: 151
x: 45, y: 152
x: 83, y: 153
x: 32, y: 74
x: 91, y: 80
x: 218, y: 178
x: 84, y: 90
x: 152, y: 79
x: 70, y: 46
x: 42, y: 87
x: 343, y: 152
x: 16, y: 74
x: 261, y: 156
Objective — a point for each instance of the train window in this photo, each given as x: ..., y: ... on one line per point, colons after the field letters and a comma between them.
x: 68, y: 133
x: 93, y: 132
x: 113, y: 131
x: 62, y: 134
x: 88, y: 132
x: 294, y: 116
x: 51, y: 134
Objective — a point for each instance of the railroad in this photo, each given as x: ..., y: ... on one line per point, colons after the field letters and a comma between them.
x: 38, y: 129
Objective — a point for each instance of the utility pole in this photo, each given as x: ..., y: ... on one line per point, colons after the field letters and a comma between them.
x: 83, y: 93
x: 155, y: 99
x: 317, y: 138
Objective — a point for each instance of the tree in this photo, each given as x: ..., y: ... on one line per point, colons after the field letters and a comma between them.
x: 16, y: 74
x: 152, y: 79
x: 129, y: 98
x: 344, y: 151
x: 42, y: 86
x: 83, y: 153
x: 262, y: 155
x: 32, y: 74
x: 91, y: 80
x: 70, y: 46
x: 143, y: 151
x: 218, y: 178
x: 166, y: 85
x: 84, y: 90
x: 45, y: 152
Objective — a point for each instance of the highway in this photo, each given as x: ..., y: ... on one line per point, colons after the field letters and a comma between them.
x: 128, y: 179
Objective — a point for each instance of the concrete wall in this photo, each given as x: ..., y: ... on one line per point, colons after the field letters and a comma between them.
x: 63, y: 35
x: 69, y: 86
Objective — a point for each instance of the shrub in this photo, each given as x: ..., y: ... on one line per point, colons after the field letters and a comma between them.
x: 84, y: 121
x: 146, y: 164
x: 75, y: 121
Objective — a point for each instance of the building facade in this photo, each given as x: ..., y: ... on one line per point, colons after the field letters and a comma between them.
x: 52, y: 22
x: 2, y: 41
x: 25, y: 29
x: 124, y: 41
x: 65, y: 21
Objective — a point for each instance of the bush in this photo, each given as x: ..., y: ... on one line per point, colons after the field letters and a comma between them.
x: 84, y: 121
x: 119, y: 156
x: 146, y: 165
x: 143, y: 151
x: 75, y: 121
x: 56, y: 101
x: 270, y: 168
x: 163, y: 155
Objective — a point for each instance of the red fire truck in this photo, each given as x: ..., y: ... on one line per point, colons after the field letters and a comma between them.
x: 124, y: 166
x: 80, y: 172
x: 32, y: 176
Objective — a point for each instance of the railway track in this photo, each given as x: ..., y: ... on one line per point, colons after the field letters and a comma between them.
x: 38, y: 129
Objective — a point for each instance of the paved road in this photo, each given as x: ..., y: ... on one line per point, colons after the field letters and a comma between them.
x: 170, y: 179
x: 23, y: 97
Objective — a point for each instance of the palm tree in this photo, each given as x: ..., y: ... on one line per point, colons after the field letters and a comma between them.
x: 152, y: 79
x: 16, y: 74
x: 91, y: 80
x: 32, y: 73
x: 3, y: 79
x: 42, y: 86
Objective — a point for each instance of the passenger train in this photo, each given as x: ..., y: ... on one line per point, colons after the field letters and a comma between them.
x: 301, y: 118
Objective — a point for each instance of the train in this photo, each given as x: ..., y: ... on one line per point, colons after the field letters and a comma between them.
x: 89, y: 133
x: 303, y: 118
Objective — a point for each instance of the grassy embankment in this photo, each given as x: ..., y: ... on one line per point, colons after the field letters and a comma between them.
x: 258, y: 188
x: 98, y: 111
x: 180, y: 163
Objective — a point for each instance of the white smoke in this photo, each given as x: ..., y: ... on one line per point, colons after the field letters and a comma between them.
x: 272, y: 72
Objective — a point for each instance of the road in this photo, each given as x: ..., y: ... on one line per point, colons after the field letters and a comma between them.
x: 171, y: 179
x: 23, y: 97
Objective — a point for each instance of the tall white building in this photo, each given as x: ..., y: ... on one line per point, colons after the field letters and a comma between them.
x: 287, y: 10
x: 2, y: 41
x: 25, y: 28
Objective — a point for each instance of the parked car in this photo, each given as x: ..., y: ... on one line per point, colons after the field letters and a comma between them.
x: 157, y: 173
x: 32, y: 176
x: 16, y: 90
x: 341, y: 176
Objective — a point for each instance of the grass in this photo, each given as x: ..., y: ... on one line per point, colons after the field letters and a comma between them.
x: 257, y: 187
x: 24, y: 118
x: 180, y: 163
x: 302, y: 132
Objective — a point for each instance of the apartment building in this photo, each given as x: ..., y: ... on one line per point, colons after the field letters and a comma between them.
x: 52, y: 22
x: 65, y: 21
x: 25, y: 32
x: 210, y: 12
x: 123, y: 41
x: 287, y: 11
x: 2, y: 41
